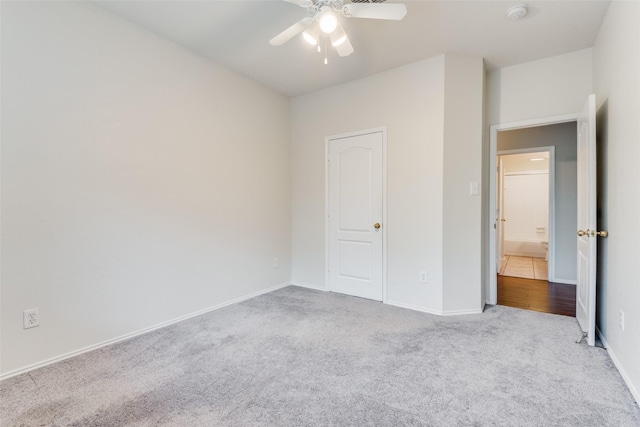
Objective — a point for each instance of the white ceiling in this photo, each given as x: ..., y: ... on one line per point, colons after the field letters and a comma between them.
x: 236, y: 33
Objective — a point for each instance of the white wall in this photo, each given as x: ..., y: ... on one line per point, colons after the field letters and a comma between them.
x: 140, y: 183
x: 428, y: 157
x: 563, y: 137
x: 409, y: 102
x: 616, y: 61
x: 462, y: 238
x: 545, y: 88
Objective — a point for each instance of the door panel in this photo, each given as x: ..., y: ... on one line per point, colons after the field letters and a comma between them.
x: 354, y: 260
x: 587, y: 240
x: 355, y: 206
x: 354, y: 190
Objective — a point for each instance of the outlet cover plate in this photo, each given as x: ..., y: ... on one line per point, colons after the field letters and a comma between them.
x: 423, y: 277
x: 31, y: 318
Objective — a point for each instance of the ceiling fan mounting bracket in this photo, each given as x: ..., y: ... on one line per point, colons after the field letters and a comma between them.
x: 314, y: 7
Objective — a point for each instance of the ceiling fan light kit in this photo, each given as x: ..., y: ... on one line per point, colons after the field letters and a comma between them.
x: 312, y: 35
x: 323, y: 19
x: 328, y: 20
x: 338, y: 36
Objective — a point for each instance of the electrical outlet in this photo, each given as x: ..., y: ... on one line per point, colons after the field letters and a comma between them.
x: 275, y: 263
x: 621, y: 319
x: 423, y: 277
x: 31, y: 318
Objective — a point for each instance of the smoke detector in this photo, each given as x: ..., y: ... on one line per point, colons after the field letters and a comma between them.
x: 517, y: 12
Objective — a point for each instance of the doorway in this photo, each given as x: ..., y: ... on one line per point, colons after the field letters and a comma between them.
x: 558, y: 138
x: 525, y: 192
x: 525, y: 205
x: 583, y: 197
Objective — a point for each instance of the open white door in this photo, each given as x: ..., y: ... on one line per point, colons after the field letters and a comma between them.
x: 587, y: 221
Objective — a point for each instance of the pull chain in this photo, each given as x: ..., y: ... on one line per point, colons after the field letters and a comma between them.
x: 325, y: 53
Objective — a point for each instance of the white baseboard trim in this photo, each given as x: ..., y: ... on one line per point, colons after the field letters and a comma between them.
x: 525, y: 248
x: 436, y: 312
x: 310, y: 286
x: 462, y: 312
x: 564, y: 281
x: 136, y: 333
x: 634, y: 391
x: 415, y: 308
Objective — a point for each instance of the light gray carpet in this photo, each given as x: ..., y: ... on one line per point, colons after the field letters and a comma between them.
x: 297, y: 357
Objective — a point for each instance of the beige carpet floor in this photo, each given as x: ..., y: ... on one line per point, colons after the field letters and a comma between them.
x: 297, y: 357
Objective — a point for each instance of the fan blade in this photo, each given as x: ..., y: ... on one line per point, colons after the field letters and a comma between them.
x: 291, y: 32
x: 345, y: 48
x: 394, y: 12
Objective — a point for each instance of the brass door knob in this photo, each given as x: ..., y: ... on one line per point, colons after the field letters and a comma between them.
x: 592, y: 233
x: 376, y: 225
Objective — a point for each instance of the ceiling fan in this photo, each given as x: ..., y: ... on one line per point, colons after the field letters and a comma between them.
x: 323, y: 18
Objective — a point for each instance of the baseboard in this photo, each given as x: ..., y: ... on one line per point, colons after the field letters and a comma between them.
x: 634, y: 391
x: 136, y: 333
x: 524, y: 253
x: 309, y: 286
x: 436, y: 312
x: 564, y: 281
x: 525, y: 248
x: 414, y: 308
x: 462, y: 312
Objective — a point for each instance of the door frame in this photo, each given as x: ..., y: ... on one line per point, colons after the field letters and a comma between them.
x: 327, y: 174
x: 551, y: 219
x: 492, y: 283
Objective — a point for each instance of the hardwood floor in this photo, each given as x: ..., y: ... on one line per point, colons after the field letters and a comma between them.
x: 538, y: 295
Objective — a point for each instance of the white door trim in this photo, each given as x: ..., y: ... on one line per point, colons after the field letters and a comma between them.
x: 551, y: 221
x: 492, y: 294
x: 382, y: 130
